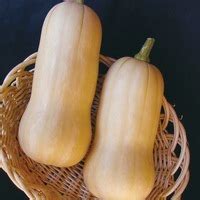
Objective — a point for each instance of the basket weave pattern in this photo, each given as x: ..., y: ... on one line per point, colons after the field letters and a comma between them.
x: 171, y: 154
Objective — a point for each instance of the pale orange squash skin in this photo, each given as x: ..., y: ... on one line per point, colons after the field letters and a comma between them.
x: 120, y: 165
x: 55, y: 128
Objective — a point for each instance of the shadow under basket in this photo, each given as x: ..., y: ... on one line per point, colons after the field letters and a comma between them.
x: 171, y: 153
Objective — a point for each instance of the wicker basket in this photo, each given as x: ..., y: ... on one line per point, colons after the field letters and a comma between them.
x: 171, y: 154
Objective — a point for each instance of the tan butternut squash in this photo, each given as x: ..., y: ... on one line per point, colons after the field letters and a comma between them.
x: 55, y: 128
x: 120, y: 165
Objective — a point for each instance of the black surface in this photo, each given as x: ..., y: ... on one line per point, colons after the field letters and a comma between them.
x: 126, y: 24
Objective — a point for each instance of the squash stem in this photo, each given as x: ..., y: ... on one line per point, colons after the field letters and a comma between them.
x: 146, y: 50
x: 80, y: 1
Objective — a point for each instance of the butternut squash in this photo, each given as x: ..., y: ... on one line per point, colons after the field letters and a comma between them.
x: 55, y: 128
x: 120, y: 165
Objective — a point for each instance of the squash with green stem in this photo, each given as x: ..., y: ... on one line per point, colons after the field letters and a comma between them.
x: 120, y: 164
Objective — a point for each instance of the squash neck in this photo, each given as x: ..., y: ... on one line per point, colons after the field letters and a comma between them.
x: 144, y: 53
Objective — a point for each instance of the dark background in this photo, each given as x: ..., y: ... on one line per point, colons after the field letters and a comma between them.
x: 126, y: 24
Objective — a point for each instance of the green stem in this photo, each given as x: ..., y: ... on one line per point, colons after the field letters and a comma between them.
x: 146, y: 50
x: 80, y: 1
